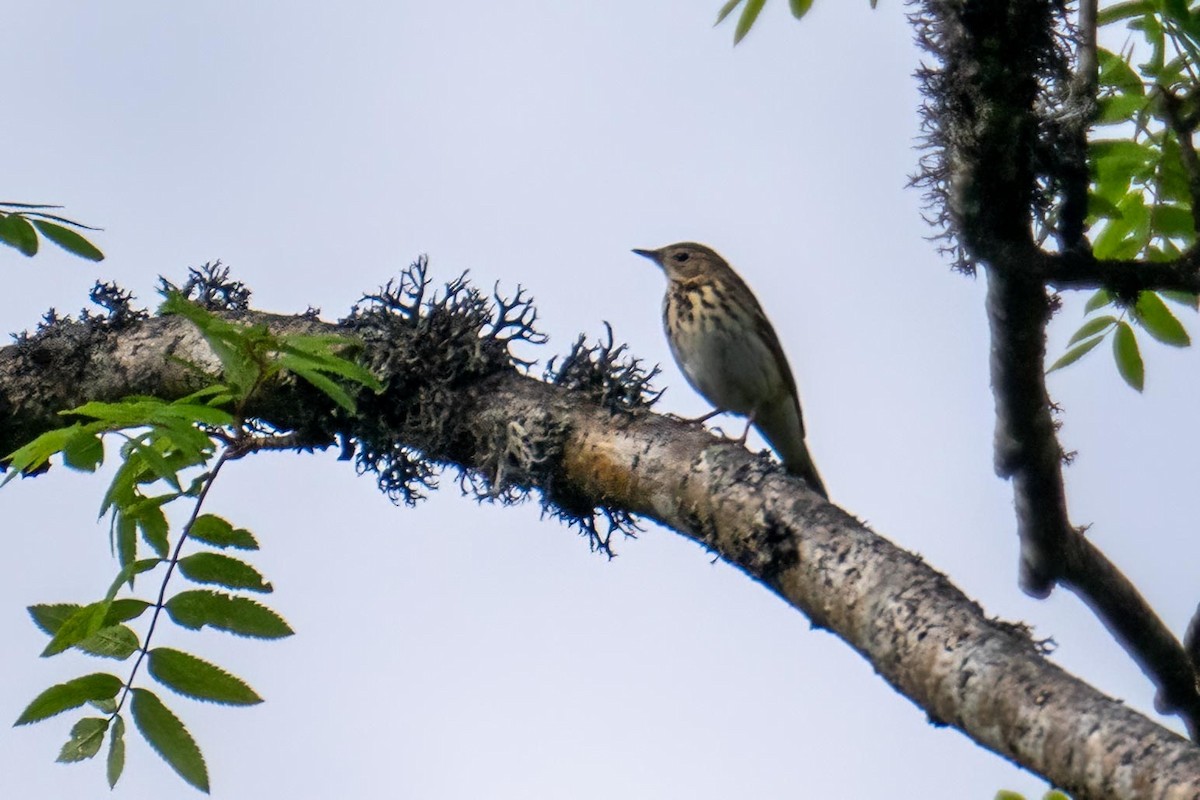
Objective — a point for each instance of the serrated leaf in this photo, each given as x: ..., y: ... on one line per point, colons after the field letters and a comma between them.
x: 69, y: 240
x: 321, y: 352
x: 84, y: 451
x: 125, y: 539
x: 214, y: 530
x: 725, y: 10
x: 331, y: 389
x: 127, y: 572
x: 35, y: 454
x: 800, y: 7
x: 1153, y: 315
x: 72, y: 694
x: 1128, y: 357
x: 154, y: 460
x: 222, y: 570
x: 1091, y: 328
x: 16, y: 231
x: 169, y: 738
x: 116, y: 752
x: 746, y: 21
x: 50, y: 617
x: 81, y: 624
x: 86, y: 737
x: 1074, y: 354
x: 238, y: 615
x: 196, y: 678
x: 153, y: 524
x: 114, y: 641
x: 1101, y: 298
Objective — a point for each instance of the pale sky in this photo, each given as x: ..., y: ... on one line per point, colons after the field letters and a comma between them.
x: 467, y: 651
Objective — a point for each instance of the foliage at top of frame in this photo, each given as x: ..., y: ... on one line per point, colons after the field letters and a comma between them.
x: 752, y: 9
x: 1144, y: 190
x: 20, y: 224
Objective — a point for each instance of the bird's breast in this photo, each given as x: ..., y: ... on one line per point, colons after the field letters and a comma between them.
x: 716, y: 344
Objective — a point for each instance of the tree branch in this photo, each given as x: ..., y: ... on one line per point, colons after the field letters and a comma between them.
x: 928, y: 640
x: 1124, y: 278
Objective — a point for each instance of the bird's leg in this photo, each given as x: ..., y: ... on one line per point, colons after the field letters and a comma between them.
x: 746, y: 432
x: 697, y: 420
x: 706, y: 417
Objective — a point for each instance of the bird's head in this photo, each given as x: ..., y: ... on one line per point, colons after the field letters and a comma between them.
x: 685, y: 260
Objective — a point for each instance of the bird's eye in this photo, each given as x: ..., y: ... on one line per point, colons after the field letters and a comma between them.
x: 680, y: 257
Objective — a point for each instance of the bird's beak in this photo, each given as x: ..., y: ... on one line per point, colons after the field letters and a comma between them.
x: 653, y: 255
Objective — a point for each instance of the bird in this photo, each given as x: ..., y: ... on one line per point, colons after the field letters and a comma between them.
x: 723, y: 342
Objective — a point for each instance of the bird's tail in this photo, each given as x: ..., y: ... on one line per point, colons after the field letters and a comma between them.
x: 781, y: 425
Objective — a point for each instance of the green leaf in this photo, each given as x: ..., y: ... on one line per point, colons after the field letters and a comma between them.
x: 231, y: 344
x: 238, y: 615
x: 16, y: 231
x: 1153, y: 315
x: 86, y: 737
x: 320, y: 381
x: 1128, y: 358
x: 1091, y: 328
x: 72, y: 694
x: 193, y: 677
x: 153, y: 523
x: 168, y: 736
x: 1169, y: 219
x: 154, y: 460
x: 84, y: 451
x: 126, y: 539
x: 725, y: 10
x: 1074, y: 354
x: 69, y: 240
x: 51, y: 617
x: 1098, y: 300
x: 1120, y: 108
x: 106, y: 706
x: 216, y: 531
x: 32, y: 456
x: 746, y: 21
x: 320, y: 351
x: 80, y: 625
x: 115, y: 641
x: 116, y: 751
x: 800, y: 7
x: 222, y: 570
x: 127, y: 572
x: 1188, y: 299
x: 1126, y: 10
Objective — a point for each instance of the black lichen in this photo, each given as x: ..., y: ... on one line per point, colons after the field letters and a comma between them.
x: 607, y: 373
x: 211, y: 287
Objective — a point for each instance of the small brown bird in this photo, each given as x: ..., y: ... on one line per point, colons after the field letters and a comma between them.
x: 729, y: 352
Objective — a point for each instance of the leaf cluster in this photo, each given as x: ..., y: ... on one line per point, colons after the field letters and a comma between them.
x: 170, y: 455
x: 21, y: 225
x: 1145, y: 180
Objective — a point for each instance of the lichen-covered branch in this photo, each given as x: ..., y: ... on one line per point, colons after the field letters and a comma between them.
x: 513, y: 432
x: 1006, y: 122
